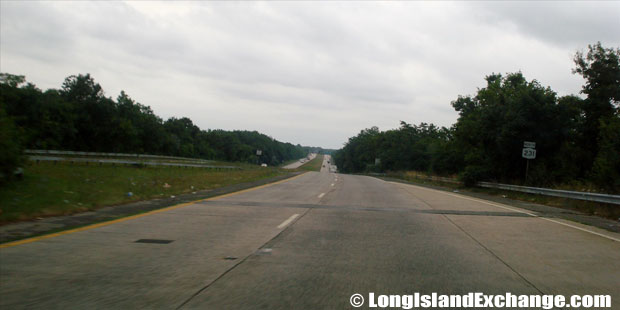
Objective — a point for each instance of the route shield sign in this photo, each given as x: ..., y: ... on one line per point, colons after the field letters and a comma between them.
x: 528, y: 153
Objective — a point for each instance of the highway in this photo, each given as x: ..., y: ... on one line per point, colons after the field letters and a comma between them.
x: 310, y: 243
x: 298, y: 163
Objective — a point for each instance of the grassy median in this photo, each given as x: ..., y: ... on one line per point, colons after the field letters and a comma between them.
x: 57, y: 189
x: 313, y: 165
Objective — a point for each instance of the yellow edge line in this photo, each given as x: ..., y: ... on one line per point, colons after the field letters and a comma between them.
x: 69, y: 231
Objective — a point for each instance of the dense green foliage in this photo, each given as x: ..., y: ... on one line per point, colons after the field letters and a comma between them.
x: 10, y: 147
x: 80, y: 117
x: 410, y: 147
x: 576, y: 139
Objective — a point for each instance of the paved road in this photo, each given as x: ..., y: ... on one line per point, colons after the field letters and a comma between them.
x: 309, y: 243
x: 298, y: 164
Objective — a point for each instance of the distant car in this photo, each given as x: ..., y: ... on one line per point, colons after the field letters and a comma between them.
x: 263, y: 165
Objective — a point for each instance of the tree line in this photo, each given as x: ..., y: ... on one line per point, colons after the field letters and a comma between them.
x: 79, y: 117
x: 577, y: 139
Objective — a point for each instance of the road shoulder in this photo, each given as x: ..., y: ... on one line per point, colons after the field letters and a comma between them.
x: 570, y: 216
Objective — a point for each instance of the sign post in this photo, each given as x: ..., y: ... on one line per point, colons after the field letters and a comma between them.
x: 258, y: 154
x: 528, y: 152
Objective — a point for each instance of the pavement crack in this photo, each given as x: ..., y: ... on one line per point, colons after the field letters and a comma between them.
x: 211, y: 283
x: 204, y: 288
x: 480, y: 244
x: 494, y: 255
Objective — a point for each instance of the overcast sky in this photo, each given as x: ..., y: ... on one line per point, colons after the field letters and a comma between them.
x: 313, y: 73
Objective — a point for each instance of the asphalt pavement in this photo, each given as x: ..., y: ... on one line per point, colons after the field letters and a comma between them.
x: 310, y: 242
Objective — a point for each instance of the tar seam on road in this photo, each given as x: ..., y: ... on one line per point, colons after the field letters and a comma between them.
x: 240, y: 262
x: 479, y: 243
x: 92, y: 226
x: 517, y: 210
x: 232, y: 203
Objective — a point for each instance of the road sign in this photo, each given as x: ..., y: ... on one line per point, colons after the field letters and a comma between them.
x: 259, y: 152
x: 528, y: 153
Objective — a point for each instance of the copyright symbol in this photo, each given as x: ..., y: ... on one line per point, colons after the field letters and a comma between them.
x: 356, y: 300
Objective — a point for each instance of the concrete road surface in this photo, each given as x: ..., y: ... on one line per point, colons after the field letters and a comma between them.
x: 310, y: 243
x: 326, y: 162
x: 298, y: 163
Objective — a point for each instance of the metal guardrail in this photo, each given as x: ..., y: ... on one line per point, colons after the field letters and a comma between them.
x: 125, y: 162
x: 98, y: 154
x: 596, y: 197
x: 605, y: 198
x: 447, y: 180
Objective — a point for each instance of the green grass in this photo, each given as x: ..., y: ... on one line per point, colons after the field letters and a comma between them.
x: 49, y: 189
x: 313, y: 165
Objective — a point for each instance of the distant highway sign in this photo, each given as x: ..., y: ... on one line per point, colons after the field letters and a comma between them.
x: 528, y: 153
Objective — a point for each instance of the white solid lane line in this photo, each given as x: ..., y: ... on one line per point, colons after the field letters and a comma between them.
x: 290, y: 219
x: 518, y: 210
x: 321, y: 195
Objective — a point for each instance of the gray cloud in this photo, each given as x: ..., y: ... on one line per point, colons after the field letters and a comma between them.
x: 309, y: 73
x: 565, y: 23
